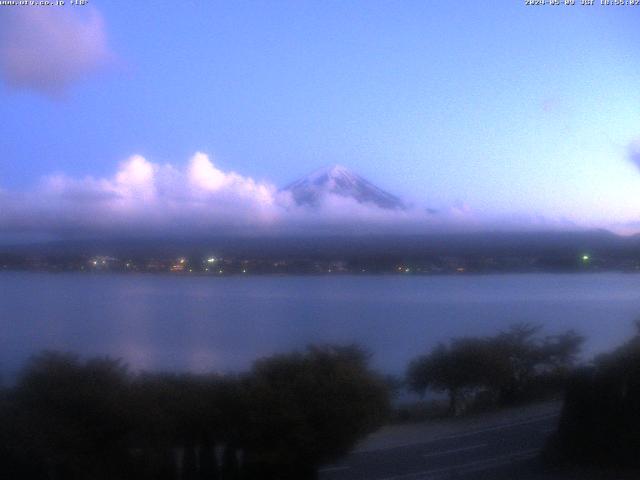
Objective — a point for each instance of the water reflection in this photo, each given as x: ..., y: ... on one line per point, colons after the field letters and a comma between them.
x: 197, y: 323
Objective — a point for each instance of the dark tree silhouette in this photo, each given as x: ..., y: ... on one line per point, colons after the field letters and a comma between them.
x: 309, y: 408
x: 456, y: 368
x: 600, y: 419
x: 93, y: 420
x: 75, y: 415
x: 507, y: 366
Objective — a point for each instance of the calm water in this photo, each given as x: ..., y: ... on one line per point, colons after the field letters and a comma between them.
x: 200, y: 323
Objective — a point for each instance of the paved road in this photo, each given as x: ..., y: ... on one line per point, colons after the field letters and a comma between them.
x: 499, y: 451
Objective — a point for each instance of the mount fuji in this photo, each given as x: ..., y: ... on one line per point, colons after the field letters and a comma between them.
x: 338, y: 180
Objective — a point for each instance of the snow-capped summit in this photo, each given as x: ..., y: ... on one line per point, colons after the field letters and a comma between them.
x: 339, y: 180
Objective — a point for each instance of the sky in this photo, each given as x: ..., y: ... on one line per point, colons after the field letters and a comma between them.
x: 125, y: 116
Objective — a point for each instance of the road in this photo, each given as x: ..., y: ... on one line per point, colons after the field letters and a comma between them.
x: 507, y: 450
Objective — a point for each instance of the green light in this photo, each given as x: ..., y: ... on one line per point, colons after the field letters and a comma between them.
x: 585, y: 258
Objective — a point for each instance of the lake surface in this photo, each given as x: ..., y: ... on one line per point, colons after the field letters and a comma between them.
x: 223, y: 324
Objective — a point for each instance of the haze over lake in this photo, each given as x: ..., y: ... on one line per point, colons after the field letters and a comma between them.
x: 203, y: 323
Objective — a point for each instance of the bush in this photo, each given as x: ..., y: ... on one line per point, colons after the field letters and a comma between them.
x: 68, y: 419
x: 310, y: 408
x: 600, y: 419
x: 507, y: 368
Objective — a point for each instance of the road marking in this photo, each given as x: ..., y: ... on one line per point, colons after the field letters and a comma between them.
x: 462, y: 435
x: 337, y: 468
x: 469, y: 467
x: 498, y: 461
x: 455, y: 450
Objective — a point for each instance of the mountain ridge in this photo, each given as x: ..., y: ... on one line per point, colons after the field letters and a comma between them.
x: 313, y: 189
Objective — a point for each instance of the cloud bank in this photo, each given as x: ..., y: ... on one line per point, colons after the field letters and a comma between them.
x: 48, y: 49
x: 198, y: 198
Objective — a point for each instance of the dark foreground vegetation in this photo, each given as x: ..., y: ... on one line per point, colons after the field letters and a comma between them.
x: 66, y: 419
x: 598, y: 432
x: 600, y: 422
x: 511, y: 367
x: 95, y: 420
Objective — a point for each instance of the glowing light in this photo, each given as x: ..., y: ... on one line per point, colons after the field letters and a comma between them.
x: 586, y: 258
x: 211, y: 259
x: 244, y: 271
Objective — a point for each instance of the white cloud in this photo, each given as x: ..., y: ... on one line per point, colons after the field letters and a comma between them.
x: 203, y: 175
x: 136, y: 179
x: 143, y: 197
x: 47, y: 49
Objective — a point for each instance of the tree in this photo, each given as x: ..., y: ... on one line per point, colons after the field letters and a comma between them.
x: 600, y: 417
x: 75, y: 416
x: 184, y: 411
x: 528, y: 359
x: 309, y: 408
x: 505, y: 365
x: 92, y: 420
x: 458, y: 368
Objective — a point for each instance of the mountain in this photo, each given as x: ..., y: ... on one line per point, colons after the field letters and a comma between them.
x: 338, y: 180
x: 541, y: 244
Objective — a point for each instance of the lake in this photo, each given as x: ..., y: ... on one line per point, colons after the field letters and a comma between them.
x: 202, y: 323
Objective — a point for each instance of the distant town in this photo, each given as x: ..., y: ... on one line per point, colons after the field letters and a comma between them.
x: 458, y: 254
x: 219, y: 265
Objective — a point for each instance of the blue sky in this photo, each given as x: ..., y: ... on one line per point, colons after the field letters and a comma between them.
x: 510, y: 111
